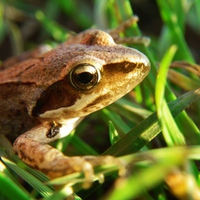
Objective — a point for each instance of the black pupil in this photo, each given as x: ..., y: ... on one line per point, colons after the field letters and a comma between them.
x: 85, y: 77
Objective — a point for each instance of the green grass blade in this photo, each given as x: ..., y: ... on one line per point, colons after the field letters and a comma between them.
x: 52, y: 27
x: 170, y: 130
x: 148, y: 129
x: 171, y: 20
x: 9, y: 188
x: 44, y: 190
x: 150, y: 173
x: 114, y: 135
x: 119, y: 123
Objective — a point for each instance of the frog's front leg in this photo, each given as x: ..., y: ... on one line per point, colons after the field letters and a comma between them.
x: 32, y: 148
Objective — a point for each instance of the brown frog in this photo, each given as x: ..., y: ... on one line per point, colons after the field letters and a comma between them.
x: 44, y: 96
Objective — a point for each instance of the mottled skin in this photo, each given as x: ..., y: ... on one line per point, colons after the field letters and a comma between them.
x: 39, y: 103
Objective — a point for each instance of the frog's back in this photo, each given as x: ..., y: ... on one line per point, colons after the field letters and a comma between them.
x: 19, y: 93
x: 21, y: 84
x: 14, y: 117
x: 15, y: 99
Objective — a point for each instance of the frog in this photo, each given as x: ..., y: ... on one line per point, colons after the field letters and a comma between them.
x: 45, y: 95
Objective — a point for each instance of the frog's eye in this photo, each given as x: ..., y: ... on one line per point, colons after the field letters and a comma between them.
x: 85, y: 76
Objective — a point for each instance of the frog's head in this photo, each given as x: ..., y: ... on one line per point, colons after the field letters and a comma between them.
x: 100, y: 73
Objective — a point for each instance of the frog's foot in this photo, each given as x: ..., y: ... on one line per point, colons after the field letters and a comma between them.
x: 115, y: 33
x: 55, y: 164
x: 108, y: 160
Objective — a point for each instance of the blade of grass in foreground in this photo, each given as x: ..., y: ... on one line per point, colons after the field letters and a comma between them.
x: 170, y: 129
x: 9, y: 188
x: 44, y: 190
x: 149, y: 128
x: 155, y: 165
